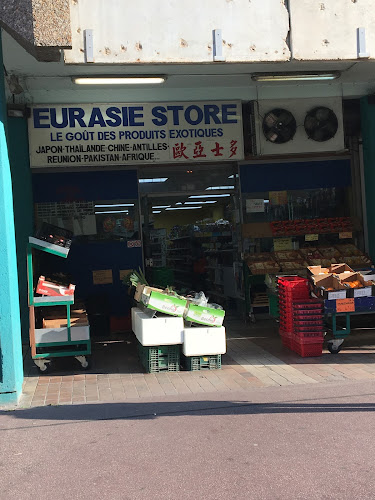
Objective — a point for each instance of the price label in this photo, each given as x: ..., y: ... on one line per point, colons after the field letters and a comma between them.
x: 311, y: 237
x: 102, y: 277
x: 345, y: 305
x: 345, y: 236
x: 282, y: 244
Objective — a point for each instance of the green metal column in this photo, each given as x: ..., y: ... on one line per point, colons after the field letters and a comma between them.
x: 368, y: 137
x: 11, y: 369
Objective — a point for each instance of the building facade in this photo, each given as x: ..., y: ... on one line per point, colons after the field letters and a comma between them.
x: 261, y: 55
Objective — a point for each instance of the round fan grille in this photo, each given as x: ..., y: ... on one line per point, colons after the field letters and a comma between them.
x: 279, y: 126
x: 321, y: 124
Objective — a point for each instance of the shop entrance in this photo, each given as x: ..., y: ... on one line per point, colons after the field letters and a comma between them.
x: 191, y: 231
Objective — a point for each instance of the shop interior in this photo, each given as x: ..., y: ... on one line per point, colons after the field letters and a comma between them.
x: 226, y: 231
x: 191, y: 231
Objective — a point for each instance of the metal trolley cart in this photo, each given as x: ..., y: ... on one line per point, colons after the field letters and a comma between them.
x: 345, y: 308
x: 46, y: 343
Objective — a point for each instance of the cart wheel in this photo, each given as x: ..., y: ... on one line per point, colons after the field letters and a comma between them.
x: 333, y: 349
x: 45, y: 368
x: 84, y: 362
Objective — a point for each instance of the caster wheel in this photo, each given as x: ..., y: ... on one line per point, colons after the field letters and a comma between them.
x: 85, y: 363
x: 45, y: 368
x: 333, y: 349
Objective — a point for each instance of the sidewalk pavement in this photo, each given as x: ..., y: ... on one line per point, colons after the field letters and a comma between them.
x: 255, y: 359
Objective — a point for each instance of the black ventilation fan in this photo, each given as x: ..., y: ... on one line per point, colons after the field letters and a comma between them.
x: 279, y: 126
x: 321, y: 124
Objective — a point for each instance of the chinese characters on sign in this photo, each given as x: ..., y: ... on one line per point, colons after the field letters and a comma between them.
x: 120, y: 134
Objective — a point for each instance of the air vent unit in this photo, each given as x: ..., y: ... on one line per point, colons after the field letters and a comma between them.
x: 298, y: 126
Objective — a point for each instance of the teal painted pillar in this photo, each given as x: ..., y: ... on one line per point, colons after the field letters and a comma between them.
x: 11, y: 369
x: 18, y: 149
x: 368, y: 138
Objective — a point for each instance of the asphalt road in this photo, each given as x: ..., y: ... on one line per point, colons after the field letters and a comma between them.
x: 295, y: 442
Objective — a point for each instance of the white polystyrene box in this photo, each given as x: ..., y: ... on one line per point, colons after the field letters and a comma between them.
x: 50, y: 335
x: 204, y: 341
x: 157, y: 331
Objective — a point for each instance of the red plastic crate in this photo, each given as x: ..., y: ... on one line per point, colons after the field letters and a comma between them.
x: 292, y: 282
x: 307, y: 349
x: 294, y: 293
x: 309, y: 328
x: 307, y: 317
x: 313, y: 336
x: 307, y: 304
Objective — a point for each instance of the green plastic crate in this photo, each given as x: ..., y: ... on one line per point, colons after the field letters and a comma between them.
x: 194, y: 363
x: 274, y: 305
x: 160, y: 358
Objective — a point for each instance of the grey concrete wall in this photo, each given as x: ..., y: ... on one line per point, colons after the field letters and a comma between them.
x: 42, y: 27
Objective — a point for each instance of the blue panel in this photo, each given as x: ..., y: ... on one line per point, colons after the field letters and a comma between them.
x: 85, y: 257
x: 295, y: 175
x: 68, y: 186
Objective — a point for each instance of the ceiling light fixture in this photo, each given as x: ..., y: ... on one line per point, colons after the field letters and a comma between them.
x: 161, y: 206
x: 154, y: 179
x: 293, y: 77
x: 182, y: 208
x: 115, y: 205
x: 200, y: 201
x: 156, y: 211
x: 213, y: 188
x: 209, y: 195
x: 112, y: 212
x: 119, y: 80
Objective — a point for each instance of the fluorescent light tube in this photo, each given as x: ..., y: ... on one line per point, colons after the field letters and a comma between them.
x: 118, y: 80
x: 154, y: 179
x: 219, y: 187
x: 209, y: 195
x: 182, y: 208
x: 115, y: 205
x: 200, y: 201
x: 113, y: 212
x: 161, y: 206
x: 156, y: 211
x: 291, y: 77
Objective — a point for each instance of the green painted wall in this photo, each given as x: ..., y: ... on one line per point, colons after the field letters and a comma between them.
x: 23, y: 207
x: 368, y: 137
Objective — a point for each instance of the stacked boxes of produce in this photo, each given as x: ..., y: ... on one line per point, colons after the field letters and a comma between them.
x: 301, y: 318
x: 164, y: 320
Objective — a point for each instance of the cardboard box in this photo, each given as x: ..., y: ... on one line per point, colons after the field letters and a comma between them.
x: 52, y: 289
x: 144, y: 289
x: 318, y: 270
x: 364, y: 290
x: 341, y: 268
x: 204, y: 315
x: 161, y: 302
x: 324, y: 281
x: 204, y: 341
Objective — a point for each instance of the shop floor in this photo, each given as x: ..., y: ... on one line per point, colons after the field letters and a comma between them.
x: 255, y: 358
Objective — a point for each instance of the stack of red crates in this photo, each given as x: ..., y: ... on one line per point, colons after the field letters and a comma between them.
x: 301, y: 318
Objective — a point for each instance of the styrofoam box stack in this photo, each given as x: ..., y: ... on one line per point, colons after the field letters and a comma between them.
x: 166, y: 330
x: 205, y: 340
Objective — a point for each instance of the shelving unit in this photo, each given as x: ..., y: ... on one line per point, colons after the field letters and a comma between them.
x: 53, y: 342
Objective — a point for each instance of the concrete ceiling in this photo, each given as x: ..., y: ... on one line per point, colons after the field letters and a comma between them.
x: 51, y: 82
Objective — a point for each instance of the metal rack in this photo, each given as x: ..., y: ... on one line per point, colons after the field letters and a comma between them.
x: 49, y: 343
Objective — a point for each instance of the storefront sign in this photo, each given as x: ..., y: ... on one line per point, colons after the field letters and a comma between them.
x: 280, y: 244
x: 121, y: 134
x: 254, y: 206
